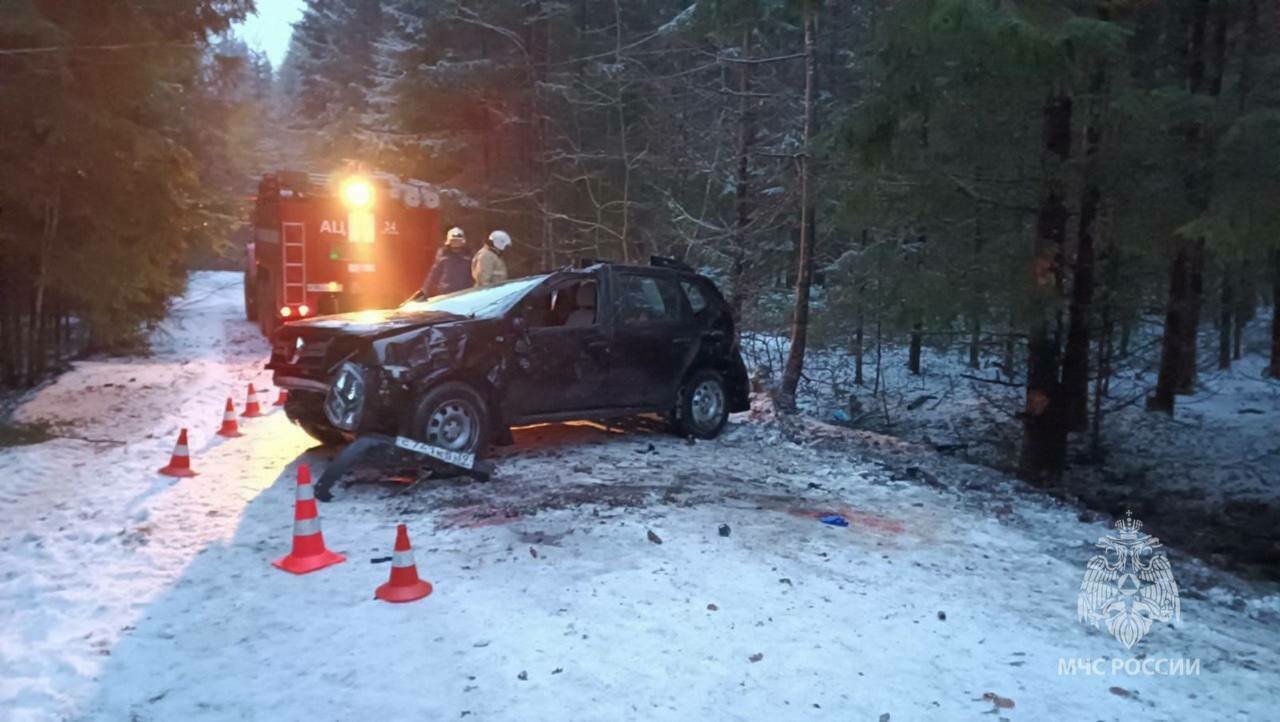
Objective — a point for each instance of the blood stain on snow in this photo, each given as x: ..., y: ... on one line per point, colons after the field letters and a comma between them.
x: 857, y: 519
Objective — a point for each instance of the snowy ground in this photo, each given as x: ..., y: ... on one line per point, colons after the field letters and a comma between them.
x: 952, y: 594
x: 1210, y: 474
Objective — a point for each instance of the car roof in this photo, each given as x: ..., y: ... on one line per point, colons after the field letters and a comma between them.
x: 636, y: 267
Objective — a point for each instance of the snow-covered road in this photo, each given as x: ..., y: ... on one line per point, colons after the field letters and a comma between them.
x: 951, y: 595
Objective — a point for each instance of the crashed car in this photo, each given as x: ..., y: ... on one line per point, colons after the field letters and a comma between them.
x: 455, y: 372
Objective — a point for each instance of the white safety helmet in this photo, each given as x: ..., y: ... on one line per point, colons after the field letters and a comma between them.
x: 455, y: 234
x: 500, y: 240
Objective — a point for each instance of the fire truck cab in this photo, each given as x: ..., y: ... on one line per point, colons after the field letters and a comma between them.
x: 325, y: 244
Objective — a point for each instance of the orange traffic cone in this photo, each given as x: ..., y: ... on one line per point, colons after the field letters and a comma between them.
x: 308, y: 553
x: 229, y: 427
x: 180, y: 462
x: 251, y: 407
x: 284, y: 396
x: 404, y: 586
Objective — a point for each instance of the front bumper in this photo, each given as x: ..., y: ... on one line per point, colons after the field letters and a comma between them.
x: 297, y: 383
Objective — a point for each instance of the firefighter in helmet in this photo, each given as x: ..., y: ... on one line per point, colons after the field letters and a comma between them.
x: 452, y: 269
x: 488, y: 268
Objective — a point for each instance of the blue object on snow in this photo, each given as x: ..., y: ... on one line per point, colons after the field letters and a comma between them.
x: 841, y: 416
x: 834, y: 520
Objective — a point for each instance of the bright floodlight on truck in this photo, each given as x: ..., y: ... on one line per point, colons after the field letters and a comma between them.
x: 357, y: 193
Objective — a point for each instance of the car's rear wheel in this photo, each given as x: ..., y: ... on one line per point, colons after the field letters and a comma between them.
x: 452, y: 416
x: 702, y: 407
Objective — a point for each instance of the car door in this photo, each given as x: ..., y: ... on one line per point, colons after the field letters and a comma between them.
x: 559, y: 367
x: 653, y: 338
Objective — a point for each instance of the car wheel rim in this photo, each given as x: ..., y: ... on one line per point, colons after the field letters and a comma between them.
x: 344, y: 404
x: 707, y: 404
x: 454, y: 425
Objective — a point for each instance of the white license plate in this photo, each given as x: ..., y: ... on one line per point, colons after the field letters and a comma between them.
x: 457, y: 458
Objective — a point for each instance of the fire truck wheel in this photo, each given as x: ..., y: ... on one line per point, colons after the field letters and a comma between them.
x: 250, y: 298
x: 267, y: 319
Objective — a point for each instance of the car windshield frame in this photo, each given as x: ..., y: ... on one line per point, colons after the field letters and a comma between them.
x: 488, y: 302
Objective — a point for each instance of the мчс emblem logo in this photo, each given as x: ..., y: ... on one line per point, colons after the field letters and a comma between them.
x: 1129, y: 585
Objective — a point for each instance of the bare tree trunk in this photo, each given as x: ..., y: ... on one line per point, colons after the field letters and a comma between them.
x: 975, y: 342
x: 977, y: 302
x: 857, y: 347
x: 1186, y: 272
x: 36, y: 351
x: 622, y: 138
x: 1226, y: 319
x: 913, y: 351
x: 1044, y: 434
x: 537, y: 40
x: 808, y: 236
x: 7, y: 337
x: 1075, y: 360
x: 743, y: 208
x: 875, y: 389
x: 1245, y: 297
x: 1010, y: 358
x: 1188, y: 362
x: 1170, y: 344
x: 1275, y: 314
x: 1102, y: 381
x: 916, y: 341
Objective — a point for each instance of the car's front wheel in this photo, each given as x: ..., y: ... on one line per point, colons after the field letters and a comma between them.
x: 307, y: 411
x: 324, y: 433
x: 452, y: 416
x: 702, y: 407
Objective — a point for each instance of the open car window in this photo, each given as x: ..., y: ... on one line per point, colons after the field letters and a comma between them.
x: 488, y: 302
x: 644, y: 300
x: 567, y: 304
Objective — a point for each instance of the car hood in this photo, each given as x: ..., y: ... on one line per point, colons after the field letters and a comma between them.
x: 370, y: 324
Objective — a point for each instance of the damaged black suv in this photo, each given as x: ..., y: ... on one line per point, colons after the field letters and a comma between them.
x: 596, y: 341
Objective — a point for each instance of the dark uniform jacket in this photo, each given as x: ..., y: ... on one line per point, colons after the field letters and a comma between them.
x: 451, y: 272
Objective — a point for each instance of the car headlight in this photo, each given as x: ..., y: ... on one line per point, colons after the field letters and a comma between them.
x: 406, y: 350
x: 345, y: 403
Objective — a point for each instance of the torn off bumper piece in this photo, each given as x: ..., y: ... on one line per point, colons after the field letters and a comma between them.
x: 434, y: 457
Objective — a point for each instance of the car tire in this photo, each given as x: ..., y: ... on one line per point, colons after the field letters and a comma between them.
x: 306, y: 409
x: 702, y: 407
x: 323, y: 432
x: 452, y: 416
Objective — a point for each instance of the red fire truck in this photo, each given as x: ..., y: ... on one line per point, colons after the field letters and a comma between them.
x: 327, y: 244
